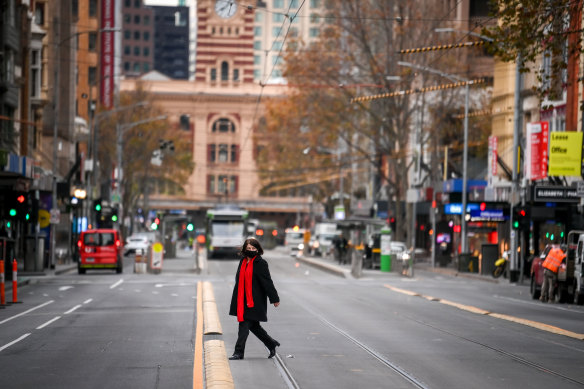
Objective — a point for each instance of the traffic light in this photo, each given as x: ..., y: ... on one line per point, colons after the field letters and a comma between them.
x: 114, y: 214
x: 190, y: 227
x: 18, y: 206
x: 97, y: 205
x: 520, y: 219
x: 155, y: 223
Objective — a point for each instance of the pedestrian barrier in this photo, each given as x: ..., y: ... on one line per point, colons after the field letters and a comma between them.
x: 2, y: 289
x: 140, y: 262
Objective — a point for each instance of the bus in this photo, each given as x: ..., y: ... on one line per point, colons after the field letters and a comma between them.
x: 226, y: 230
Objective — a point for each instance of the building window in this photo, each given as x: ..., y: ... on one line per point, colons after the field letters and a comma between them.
x: 293, y: 4
x: 257, y: 74
x: 278, y: 3
x: 127, y: 50
x: 314, y: 32
x: 75, y: 9
x: 92, y: 8
x: 213, y: 74
x: 146, y: 20
x: 234, y: 153
x: 92, y: 41
x: 146, y: 67
x: 276, y: 31
x: 127, y: 66
x: 314, y: 18
x: 137, y: 19
x: 224, y: 71
x: 277, y: 18
x: 136, y: 67
x: 185, y: 122
x: 222, y: 184
x: 257, y: 45
x: 128, y: 3
x: 127, y: 34
x: 223, y: 153
x: 277, y: 45
x: 137, y: 4
x: 146, y: 51
x: 136, y: 50
x: 35, y: 67
x: 314, y: 3
x: 137, y: 35
x: 259, y: 16
x: 146, y: 35
x: 235, y: 74
x: 39, y: 14
x: 223, y: 125
x: 92, y: 75
x: 127, y: 18
x: 257, y: 31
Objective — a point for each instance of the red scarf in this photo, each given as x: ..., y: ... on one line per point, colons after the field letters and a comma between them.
x: 244, y: 286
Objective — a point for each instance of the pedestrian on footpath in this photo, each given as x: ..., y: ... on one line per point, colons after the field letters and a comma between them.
x: 253, y: 287
x: 551, y: 265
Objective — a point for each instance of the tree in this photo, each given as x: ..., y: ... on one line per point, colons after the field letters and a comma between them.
x: 139, y: 143
x: 532, y: 29
x: 354, y: 56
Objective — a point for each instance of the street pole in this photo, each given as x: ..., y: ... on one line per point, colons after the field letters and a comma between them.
x: 54, y: 207
x: 515, y: 175
x: 464, y: 240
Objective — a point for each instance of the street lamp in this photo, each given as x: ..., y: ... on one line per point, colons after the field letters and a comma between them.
x: 465, y: 141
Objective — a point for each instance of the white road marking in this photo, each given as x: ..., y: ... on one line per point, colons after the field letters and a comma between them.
x: 14, y: 342
x: 87, y: 301
x: 73, y: 309
x: 25, y: 312
x: 174, y: 295
x: 49, y: 322
x: 62, y: 288
x: 180, y: 284
x: 117, y: 284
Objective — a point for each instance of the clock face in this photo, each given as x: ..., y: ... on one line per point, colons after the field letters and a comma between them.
x: 225, y: 8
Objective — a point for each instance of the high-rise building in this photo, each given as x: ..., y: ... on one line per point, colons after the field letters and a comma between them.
x: 137, y: 38
x: 171, y: 41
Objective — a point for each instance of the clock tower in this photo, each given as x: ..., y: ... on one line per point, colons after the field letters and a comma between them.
x: 224, y: 43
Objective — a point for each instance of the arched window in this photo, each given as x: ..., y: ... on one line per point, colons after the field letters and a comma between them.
x: 223, y: 125
x: 224, y: 71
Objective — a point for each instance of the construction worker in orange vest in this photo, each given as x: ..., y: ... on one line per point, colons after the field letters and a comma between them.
x: 551, y: 264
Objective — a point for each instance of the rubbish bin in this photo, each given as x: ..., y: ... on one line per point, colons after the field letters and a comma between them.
x: 468, y: 263
x: 385, y: 261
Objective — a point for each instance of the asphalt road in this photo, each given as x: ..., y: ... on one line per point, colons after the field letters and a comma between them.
x: 380, y: 331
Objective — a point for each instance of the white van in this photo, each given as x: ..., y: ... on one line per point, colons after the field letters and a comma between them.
x: 294, y: 240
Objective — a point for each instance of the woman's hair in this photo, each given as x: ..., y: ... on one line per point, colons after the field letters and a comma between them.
x: 254, y: 242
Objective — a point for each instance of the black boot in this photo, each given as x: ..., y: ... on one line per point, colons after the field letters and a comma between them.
x: 235, y: 357
x: 273, y: 350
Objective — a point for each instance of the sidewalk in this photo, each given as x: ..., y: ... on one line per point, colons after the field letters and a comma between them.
x: 329, y: 265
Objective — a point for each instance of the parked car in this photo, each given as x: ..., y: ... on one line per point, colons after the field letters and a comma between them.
x: 294, y: 240
x: 100, y: 249
x: 536, y: 273
x: 137, y: 242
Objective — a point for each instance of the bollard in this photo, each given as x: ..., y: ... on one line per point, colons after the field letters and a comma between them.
x: 14, y: 282
x: 2, y: 289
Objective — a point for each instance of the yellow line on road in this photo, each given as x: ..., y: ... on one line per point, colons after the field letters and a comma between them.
x: 198, y: 360
x: 479, y: 311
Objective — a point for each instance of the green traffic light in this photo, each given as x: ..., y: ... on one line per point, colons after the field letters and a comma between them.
x: 190, y: 227
x: 8, y: 224
x: 516, y: 224
x: 154, y: 226
x: 114, y: 218
x: 562, y: 234
x: 13, y: 212
x: 98, y: 207
x: 27, y: 216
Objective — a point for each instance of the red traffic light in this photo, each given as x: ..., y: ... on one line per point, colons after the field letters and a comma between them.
x: 20, y: 199
x: 522, y: 212
x: 157, y: 221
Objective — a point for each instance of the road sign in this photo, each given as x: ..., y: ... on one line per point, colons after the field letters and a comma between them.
x: 55, y: 216
x: 157, y: 254
x: 580, y: 189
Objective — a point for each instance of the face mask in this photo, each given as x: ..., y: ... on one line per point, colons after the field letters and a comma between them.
x: 250, y: 254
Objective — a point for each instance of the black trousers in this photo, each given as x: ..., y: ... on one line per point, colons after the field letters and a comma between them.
x: 255, y: 327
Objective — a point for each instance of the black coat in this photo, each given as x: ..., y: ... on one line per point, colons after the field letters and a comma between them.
x: 262, y: 288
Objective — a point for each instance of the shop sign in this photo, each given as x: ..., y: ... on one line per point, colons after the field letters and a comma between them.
x: 489, y: 215
x: 565, y: 154
x: 456, y: 208
x: 536, y: 150
x: 562, y: 194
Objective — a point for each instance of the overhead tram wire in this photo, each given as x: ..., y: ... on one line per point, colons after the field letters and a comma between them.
x: 263, y: 84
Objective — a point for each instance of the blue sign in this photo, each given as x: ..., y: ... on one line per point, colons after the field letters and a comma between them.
x: 456, y: 208
x: 490, y: 215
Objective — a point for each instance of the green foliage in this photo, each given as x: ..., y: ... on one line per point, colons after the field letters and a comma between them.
x: 529, y: 30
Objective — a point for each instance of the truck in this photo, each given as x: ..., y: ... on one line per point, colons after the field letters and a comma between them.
x: 226, y: 230
x: 570, y: 286
x: 322, y: 238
